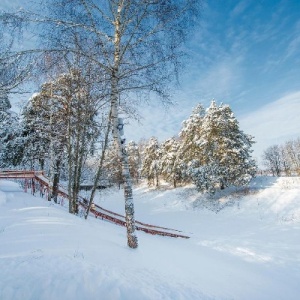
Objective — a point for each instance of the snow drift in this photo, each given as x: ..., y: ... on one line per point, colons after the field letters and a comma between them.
x: 244, y: 245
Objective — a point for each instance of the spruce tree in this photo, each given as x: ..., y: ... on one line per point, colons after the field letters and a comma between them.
x: 225, y: 151
x: 151, y: 164
x: 190, y: 135
x: 171, y: 165
x: 11, y: 140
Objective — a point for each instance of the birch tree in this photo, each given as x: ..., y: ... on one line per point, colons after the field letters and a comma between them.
x: 137, y: 44
x: 61, y: 127
x: 15, y: 67
x: 272, y: 159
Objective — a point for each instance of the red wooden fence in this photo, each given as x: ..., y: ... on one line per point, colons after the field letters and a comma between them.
x: 97, y: 211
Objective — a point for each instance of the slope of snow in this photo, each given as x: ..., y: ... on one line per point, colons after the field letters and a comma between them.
x: 244, y: 245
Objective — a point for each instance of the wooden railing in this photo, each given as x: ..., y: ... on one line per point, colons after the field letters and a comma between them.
x: 97, y: 211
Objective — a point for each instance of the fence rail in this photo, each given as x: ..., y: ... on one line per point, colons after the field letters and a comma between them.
x: 98, y: 211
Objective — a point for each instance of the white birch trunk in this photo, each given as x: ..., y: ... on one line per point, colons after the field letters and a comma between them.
x: 120, y: 144
x: 117, y: 130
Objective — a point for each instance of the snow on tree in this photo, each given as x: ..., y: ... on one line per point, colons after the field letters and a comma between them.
x: 190, y: 134
x: 137, y: 44
x: 224, y: 150
x: 292, y: 149
x: 188, y: 150
x: 112, y: 167
x: 272, y: 159
x: 171, y: 165
x: 11, y: 150
x: 134, y: 160
x: 14, y: 68
x: 60, y: 124
x: 151, y: 167
x: 283, y: 158
x: 35, y: 120
x: 4, y: 103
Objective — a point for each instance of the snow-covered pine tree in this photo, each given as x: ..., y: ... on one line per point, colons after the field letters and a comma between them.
x: 188, y: 150
x: 35, y: 122
x: 225, y: 151
x: 190, y: 134
x: 5, y: 105
x: 171, y: 165
x: 151, y: 168
x: 11, y: 142
x: 5, y: 121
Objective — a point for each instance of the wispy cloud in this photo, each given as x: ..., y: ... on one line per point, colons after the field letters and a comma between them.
x: 294, y: 46
x: 239, y: 8
x: 219, y: 81
x: 8, y: 5
x: 158, y: 121
x: 273, y: 123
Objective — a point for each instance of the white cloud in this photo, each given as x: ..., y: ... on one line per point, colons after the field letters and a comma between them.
x: 274, y: 123
x: 293, y: 47
x: 11, y: 5
x: 239, y: 8
x: 158, y: 121
x: 219, y: 79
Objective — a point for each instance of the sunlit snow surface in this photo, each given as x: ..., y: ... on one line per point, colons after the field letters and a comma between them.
x: 244, y: 245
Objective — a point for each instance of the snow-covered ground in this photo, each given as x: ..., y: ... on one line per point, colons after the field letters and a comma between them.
x: 244, y: 245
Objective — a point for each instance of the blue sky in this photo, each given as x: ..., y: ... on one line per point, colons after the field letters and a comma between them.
x: 245, y: 53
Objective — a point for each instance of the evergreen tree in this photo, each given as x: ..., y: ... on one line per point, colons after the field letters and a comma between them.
x: 151, y: 164
x: 189, y: 136
x: 134, y: 160
x: 35, y: 122
x: 171, y: 166
x: 225, y: 151
x: 11, y: 141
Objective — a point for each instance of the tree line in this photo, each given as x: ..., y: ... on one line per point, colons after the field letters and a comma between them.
x: 210, y: 151
x: 60, y: 132
x: 283, y: 159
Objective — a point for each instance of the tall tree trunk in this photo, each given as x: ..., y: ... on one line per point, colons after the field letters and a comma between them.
x: 156, y: 176
x: 56, y: 180
x: 79, y: 161
x: 42, y: 163
x: 117, y: 131
x: 70, y: 161
x: 120, y: 144
x: 77, y: 168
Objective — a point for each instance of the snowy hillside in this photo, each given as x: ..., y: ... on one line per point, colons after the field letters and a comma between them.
x: 244, y: 245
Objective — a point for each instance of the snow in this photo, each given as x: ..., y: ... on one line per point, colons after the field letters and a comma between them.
x: 244, y: 245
